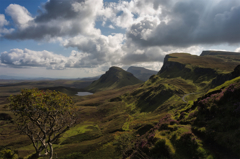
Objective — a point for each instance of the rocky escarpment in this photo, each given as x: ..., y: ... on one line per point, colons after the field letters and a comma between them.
x: 170, y: 65
x: 173, y: 68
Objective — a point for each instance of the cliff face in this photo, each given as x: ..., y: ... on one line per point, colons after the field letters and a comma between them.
x: 174, y: 67
x: 170, y: 65
x: 215, y: 66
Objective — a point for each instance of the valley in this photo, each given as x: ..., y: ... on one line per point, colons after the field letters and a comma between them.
x: 189, y: 109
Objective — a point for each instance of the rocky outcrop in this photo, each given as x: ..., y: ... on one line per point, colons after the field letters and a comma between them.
x: 220, y: 79
x: 170, y: 65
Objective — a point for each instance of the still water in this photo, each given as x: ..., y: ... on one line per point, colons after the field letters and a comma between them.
x: 83, y: 93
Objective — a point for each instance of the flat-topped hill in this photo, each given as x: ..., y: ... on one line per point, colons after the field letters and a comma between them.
x: 205, y: 53
x: 115, y: 77
x: 197, y: 68
x: 211, y: 61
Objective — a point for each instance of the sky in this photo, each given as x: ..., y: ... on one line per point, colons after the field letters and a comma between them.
x: 83, y: 38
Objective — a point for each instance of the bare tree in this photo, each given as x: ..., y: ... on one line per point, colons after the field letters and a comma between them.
x: 43, y: 117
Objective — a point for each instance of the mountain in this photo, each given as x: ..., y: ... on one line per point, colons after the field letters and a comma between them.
x: 115, y: 77
x: 141, y: 72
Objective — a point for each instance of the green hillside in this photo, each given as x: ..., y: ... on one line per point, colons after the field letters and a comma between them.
x: 114, y: 78
x: 182, y: 112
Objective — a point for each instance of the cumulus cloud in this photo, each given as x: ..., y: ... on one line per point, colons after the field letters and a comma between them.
x: 26, y: 57
x: 31, y: 58
x: 58, y: 18
x: 237, y: 50
x: 188, y: 23
x: 4, y: 22
x: 111, y: 27
x: 101, y: 49
x: 154, y: 28
x: 138, y: 55
x: 124, y: 13
x: 19, y: 15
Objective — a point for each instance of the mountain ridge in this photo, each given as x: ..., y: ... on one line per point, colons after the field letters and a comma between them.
x: 115, y: 77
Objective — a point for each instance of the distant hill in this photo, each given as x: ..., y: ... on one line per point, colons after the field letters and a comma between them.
x: 141, y: 72
x: 115, y: 77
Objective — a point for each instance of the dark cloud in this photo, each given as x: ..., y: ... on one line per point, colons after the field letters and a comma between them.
x: 55, y: 9
x: 41, y: 31
x: 190, y: 22
x: 58, y: 18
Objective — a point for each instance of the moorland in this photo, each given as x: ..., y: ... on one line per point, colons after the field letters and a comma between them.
x: 189, y: 109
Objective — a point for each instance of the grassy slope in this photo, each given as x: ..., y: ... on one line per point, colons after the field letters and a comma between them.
x: 99, y: 120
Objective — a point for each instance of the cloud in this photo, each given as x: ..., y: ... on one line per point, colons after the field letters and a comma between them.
x: 3, y: 23
x: 153, y: 28
x: 29, y: 58
x: 124, y: 13
x: 137, y: 55
x: 19, y: 15
x: 58, y: 18
x: 185, y: 23
x: 237, y: 50
x: 111, y: 27
x: 100, y: 49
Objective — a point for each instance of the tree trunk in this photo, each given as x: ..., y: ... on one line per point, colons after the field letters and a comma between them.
x: 51, y: 150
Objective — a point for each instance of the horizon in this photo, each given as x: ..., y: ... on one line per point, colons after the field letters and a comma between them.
x: 75, y: 39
